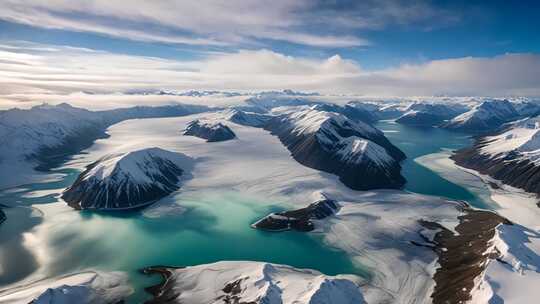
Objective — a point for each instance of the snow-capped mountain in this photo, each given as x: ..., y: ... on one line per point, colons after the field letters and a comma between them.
x: 430, y: 114
x: 356, y: 113
x: 212, y: 131
x: 127, y: 180
x: 272, y: 100
x: 487, y: 116
x: 23, y: 133
x: 391, y: 111
x: 254, y: 282
x: 44, y: 136
x: 371, y: 107
x: 358, y: 153
x: 246, y: 118
x: 527, y: 108
x: 138, y: 112
x: 512, y: 156
x: 191, y: 93
x: 89, y: 287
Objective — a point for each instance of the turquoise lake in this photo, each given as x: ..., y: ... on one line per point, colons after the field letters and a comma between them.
x: 213, y: 226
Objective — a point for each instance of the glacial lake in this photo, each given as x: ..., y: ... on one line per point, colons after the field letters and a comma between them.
x: 419, y: 141
x: 208, y: 227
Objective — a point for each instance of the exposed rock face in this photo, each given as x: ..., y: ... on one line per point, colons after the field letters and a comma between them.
x: 487, y: 116
x: 127, y: 181
x: 512, y: 156
x: 463, y: 257
x: 2, y: 216
x: 426, y: 114
x: 212, y: 131
x: 244, y: 282
x: 299, y: 219
x: 358, y: 153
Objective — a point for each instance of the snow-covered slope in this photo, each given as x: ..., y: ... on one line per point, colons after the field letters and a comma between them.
x: 412, y: 244
x: 512, y: 156
x: 246, y: 118
x: 255, y: 282
x: 371, y: 107
x: 44, y: 136
x: 430, y: 114
x: 358, y: 153
x: 515, y: 276
x: 355, y: 112
x: 210, y: 130
x: 270, y: 100
x: 89, y: 287
x: 391, y: 111
x: 487, y: 116
x: 376, y: 228
x: 24, y: 132
x: 527, y: 108
x: 127, y: 180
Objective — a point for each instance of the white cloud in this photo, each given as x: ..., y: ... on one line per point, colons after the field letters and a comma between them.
x: 217, y: 22
x: 28, y: 72
x: 204, y: 22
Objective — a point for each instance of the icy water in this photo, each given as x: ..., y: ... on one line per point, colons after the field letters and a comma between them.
x: 202, y: 228
x: 212, y: 227
x: 416, y: 142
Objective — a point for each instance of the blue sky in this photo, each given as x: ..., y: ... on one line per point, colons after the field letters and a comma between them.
x: 377, y: 42
x: 437, y: 30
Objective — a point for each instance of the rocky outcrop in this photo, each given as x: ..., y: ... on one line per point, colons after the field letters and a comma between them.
x: 2, y: 216
x: 421, y: 119
x: 359, y: 154
x: 245, y: 282
x: 299, y: 219
x: 127, y: 181
x: 212, y: 131
x: 463, y: 256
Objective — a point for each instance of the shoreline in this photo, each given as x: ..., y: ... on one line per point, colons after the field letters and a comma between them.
x: 513, y: 272
x: 515, y: 204
x: 160, y: 293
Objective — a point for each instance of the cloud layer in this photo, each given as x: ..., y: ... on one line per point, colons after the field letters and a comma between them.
x: 30, y: 71
x: 221, y: 23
